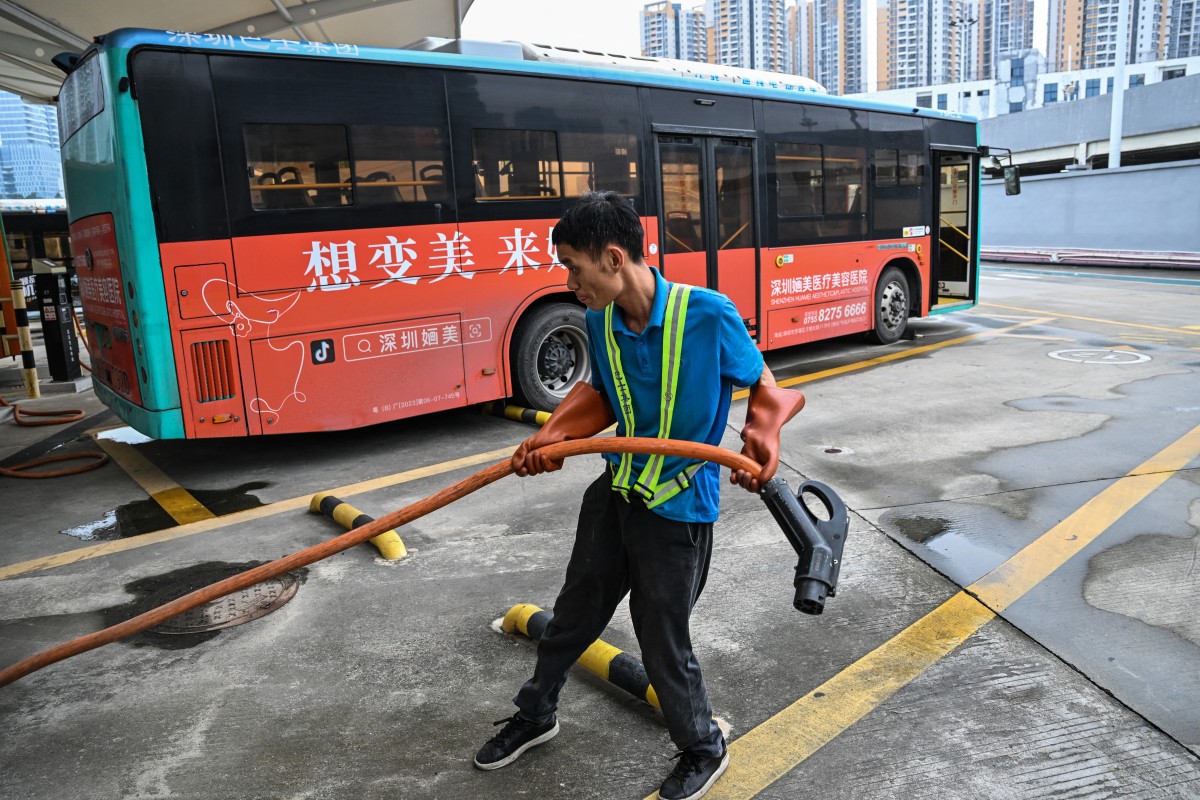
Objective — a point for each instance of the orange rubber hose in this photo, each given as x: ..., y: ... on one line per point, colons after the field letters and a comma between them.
x: 58, y: 417
x: 97, y: 458
x: 403, y: 516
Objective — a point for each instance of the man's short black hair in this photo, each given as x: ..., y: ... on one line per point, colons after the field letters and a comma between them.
x: 598, y: 219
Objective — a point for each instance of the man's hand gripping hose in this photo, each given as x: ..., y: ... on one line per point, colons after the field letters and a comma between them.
x: 818, y: 544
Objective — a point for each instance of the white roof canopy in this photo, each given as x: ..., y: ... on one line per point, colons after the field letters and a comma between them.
x: 32, y: 32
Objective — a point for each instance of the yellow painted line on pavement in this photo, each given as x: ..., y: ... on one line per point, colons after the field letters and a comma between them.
x: 1193, y: 330
x: 215, y: 523
x: 174, y: 499
x: 776, y: 747
x: 896, y: 356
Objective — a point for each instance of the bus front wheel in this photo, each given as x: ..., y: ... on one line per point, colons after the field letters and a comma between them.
x: 549, y: 355
x: 891, y: 307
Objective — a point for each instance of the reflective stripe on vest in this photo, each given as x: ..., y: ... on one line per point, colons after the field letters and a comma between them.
x: 648, y: 484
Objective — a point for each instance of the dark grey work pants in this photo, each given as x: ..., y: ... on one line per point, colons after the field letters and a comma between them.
x: 621, y: 547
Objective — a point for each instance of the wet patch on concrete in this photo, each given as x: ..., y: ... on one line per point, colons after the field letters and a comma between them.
x: 1138, y: 579
x: 153, y: 591
x: 963, y: 546
x: 921, y: 529
x: 147, y: 516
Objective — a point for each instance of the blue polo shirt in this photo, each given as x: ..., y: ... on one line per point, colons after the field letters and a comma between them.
x: 717, y: 354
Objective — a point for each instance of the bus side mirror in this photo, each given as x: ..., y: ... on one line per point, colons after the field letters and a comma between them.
x: 1012, y: 180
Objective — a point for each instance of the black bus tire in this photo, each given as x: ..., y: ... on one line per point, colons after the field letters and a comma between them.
x: 891, y: 307
x: 549, y: 355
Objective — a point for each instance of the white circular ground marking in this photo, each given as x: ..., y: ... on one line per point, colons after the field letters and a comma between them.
x: 1100, y: 356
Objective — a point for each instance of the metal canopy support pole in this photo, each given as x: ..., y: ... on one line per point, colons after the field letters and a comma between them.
x: 1117, y: 115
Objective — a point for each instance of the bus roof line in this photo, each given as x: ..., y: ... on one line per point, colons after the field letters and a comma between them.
x: 131, y: 38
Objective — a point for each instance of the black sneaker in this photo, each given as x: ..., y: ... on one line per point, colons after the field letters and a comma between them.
x: 693, y: 776
x: 514, y: 739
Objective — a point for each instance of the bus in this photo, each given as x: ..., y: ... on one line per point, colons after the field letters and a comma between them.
x: 277, y: 236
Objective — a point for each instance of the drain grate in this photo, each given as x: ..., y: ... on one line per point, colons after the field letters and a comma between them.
x: 238, y: 608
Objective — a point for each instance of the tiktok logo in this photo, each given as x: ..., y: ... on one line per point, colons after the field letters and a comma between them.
x: 322, y: 351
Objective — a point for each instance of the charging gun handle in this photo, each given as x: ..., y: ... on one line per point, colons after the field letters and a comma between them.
x: 818, y: 542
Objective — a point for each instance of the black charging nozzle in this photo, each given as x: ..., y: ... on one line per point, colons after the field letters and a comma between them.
x: 817, y: 541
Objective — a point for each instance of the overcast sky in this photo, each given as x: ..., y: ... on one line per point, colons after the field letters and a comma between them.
x: 612, y: 25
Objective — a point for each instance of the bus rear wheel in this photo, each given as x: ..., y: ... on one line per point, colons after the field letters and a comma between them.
x: 549, y: 355
x: 891, y: 307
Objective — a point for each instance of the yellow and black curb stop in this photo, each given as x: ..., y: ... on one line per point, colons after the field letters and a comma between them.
x: 389, y: 544
x: 602, y: 659
x: 516, y: 413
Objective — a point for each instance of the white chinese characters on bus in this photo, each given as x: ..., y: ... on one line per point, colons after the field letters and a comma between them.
x: 396, y: 259
x: 454, y: 254
x: 333, y: 266
x: 450, y: 334
x: 387, y: 342
x: 518, y: 247
x: 816, y: 283
x: 551, y: 250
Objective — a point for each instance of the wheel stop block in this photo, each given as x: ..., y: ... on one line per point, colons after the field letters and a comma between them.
x: 516, y: 413
x: 389, y: 544
x: 601, y: 659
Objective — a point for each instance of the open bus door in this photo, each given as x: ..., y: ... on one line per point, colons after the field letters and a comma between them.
x: 708, y: 224
x: 956, y: 224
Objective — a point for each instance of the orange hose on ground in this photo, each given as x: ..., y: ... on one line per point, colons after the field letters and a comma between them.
x: 54, y: 417
x: 403, y: 516
x: 22, y: 470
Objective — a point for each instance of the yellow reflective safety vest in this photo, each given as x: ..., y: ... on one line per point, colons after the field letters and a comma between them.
x: 649, y: 484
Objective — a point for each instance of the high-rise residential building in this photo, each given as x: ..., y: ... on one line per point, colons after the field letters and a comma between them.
x: 749, y: 33
x: 1083, y: 33
x: 694, y: 35
x: 1066, y: 35
x: 841, y: 59
x: 671, y: 31
x: 1100, y: 33
x: 1005, y: 28
x: 901, y: 27
x: 29, y: 156
x: 1184, y: 38
x: 923, y: 42
x: 800, y: 37
x: 1150, y: 21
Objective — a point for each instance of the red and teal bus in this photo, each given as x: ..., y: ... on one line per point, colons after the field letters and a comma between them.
x: 279, y: 236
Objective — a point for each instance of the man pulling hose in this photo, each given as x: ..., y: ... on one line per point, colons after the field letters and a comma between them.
x: 666, y: 357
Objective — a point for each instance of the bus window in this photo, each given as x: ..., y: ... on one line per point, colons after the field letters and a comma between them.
x: 823, y: 181
x: 887, y: 167
x: 735, y: 191
x: 599, y: 162
x: 912, y: 169
x: 398, y: 164
x: 683, y: 205
x: 516, y: 164
x: 898, y: 168
x: 297, y: 166
x: 798, y: 175
x: 845, y: 174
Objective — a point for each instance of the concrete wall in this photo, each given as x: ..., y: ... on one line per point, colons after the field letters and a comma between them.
x: 1151, y: 208
x: 1168, y: 106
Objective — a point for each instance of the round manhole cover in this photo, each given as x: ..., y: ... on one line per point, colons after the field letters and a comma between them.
x: 1101, y: 356
x: 237, y: 608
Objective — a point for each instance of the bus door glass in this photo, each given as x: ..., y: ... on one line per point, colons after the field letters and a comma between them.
x: 955, y: 247
x: 708, y: 219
